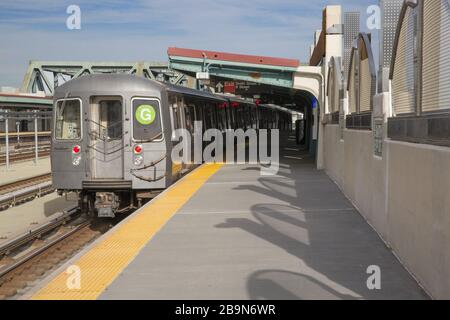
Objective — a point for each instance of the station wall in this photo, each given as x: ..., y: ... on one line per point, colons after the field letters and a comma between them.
x: 404, y: 195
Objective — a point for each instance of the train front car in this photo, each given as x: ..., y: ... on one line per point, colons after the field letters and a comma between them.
x: 109, y: 141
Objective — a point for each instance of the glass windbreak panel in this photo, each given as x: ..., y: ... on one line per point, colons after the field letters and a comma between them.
x: 147, y: 126
x: 111, y: 124
x: 68, y: 120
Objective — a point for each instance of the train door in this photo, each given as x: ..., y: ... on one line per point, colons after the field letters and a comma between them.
x: 106, y: 138
x: 190, y: 118
x: 176, y: 104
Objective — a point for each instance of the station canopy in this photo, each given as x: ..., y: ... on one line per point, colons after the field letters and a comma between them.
x: 268, y: 78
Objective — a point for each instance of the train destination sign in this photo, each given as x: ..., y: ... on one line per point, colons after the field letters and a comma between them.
x: 145, y: 114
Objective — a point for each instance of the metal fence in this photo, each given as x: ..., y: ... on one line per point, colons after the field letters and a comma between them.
x: 33, y: 116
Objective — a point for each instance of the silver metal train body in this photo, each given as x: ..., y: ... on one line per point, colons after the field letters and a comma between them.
x: 112, y: 136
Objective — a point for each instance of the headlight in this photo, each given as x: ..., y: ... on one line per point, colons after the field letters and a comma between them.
x: 76, y: 161
x: 138, y: 160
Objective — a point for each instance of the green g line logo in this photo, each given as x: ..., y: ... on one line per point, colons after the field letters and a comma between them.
x: 145, y: 114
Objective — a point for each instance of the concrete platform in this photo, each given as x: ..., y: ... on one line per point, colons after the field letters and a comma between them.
x: 240, y: 235
x: 22, y: 170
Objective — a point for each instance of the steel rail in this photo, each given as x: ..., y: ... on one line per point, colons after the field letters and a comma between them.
x: 15, y: 185
x: 10, y: 268
x: 32, y: 235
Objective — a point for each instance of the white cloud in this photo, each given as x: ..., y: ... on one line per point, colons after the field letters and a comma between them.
x: 143, y: 30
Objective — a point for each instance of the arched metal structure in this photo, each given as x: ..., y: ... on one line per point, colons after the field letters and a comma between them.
x: 335, y: 89
x: 404, y: 63
x: 420, y: 74
x: 361, y: 84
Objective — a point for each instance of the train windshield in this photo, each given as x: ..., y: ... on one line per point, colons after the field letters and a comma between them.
x: 147, y: 126
x: 68, y: 120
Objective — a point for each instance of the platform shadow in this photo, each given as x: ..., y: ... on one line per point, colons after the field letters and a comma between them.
x: 286, y: 285
x: 55, y: 206
x: 321, y: 229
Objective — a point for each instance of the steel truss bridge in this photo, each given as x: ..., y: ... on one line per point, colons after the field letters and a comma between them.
x: 47, y: 75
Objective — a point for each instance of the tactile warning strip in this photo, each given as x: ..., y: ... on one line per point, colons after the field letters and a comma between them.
x: 107, y: 259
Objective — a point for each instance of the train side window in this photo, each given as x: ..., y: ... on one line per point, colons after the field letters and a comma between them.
x: 207, y: 115
x: 174, y: 109
x: 172, y: 104
x: 189, y: 116
x: 239, y: 117
x: 222, y: 115
x: 235, y: 118
x: 194, y: 112
x: 214, y: 119
x: 176, y: 118
x: 147, y: 125
x: 227, y: 116
x: 180, y: 116
x: 218, y: 117
x: 248, y: 117
x: 68, y: 120
x: 264, y: 119
x: 211, y: 111
x: 199, y: 113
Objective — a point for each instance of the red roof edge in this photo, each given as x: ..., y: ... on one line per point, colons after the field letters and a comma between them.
x: 233, y: 57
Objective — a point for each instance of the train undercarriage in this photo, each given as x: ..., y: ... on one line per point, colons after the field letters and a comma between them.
x: 108, y: 203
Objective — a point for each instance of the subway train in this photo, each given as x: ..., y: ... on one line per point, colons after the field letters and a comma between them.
x: 112, y: 136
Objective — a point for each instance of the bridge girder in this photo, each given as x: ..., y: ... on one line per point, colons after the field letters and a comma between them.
x: 47, y: 75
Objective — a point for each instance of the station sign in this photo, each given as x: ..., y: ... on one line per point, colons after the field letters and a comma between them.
x: 229, y: 87
x: 236, y: 87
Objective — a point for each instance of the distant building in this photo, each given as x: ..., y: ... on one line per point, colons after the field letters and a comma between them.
x: 352, y: 28
x: 390, y: 13
x: 17, y: 107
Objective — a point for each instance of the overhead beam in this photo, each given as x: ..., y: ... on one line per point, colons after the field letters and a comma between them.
x: 38, y: 70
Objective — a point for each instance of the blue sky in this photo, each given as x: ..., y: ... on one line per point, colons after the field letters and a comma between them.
x: 119, y: 30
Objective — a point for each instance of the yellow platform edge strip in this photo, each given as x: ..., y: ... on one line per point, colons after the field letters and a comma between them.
x: 100, y: 266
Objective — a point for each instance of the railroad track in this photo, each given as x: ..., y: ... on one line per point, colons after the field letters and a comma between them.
x: 25, y: 190
x: 17, y: 185
x: 29, y: 257
x: 16, y: 157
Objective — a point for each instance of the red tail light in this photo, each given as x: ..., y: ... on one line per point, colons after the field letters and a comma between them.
x: 76, y: 149
x: 235, y: 104
x: 137, y: 149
